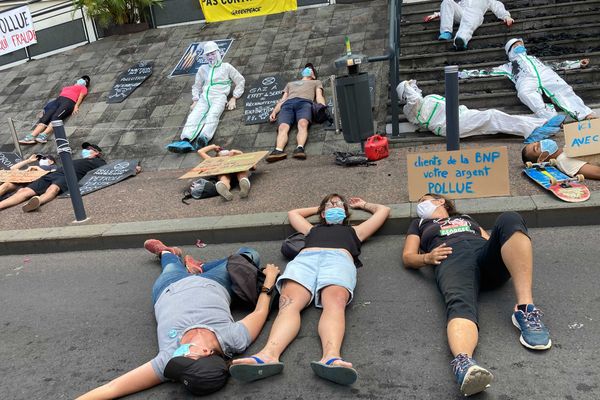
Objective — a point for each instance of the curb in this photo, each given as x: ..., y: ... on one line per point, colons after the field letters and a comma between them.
x: 539, y: 211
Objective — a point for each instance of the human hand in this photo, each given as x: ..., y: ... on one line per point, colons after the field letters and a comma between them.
x: 437, y: 255
x: 509, y: 21
x: 271, y: 272
x: 32, y: 158
x: 193, y: 105
x: 584, y: 63
x: 76, y: 110
x: 231, y: 104
x: 273, y: 116
x: 356, y: 202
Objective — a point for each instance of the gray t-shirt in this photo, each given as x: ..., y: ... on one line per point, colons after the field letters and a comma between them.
x: 195, y: 302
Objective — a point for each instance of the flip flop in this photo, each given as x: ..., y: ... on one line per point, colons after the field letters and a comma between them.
x: 254, y: 372
x: 334, y: 373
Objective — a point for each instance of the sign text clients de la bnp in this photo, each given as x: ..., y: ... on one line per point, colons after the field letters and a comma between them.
x: 16, y: 30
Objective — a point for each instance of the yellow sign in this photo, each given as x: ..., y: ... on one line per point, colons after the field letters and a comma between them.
x: 20, y: 176
x: 225, y: 165
x: 582, y: 138
x: 223, y: 10
x: 460, y: 174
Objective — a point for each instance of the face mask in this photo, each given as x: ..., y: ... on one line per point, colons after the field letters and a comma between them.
x: 425, y: 209
x: 335, y: 215
x: 86, y: 153
x: 223, y: 153
x: 519, y: 49
x: 548, y: 146
x: 81, y: 82
x: 306, y: 72
x: 44, y: 162
x: 213, y: 58
x: 183, y: 350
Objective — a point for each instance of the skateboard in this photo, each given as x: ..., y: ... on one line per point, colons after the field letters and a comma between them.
x: 562, y: 186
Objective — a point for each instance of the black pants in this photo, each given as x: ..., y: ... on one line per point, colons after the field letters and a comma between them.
x: 475, y: 264
x: 60, y: 108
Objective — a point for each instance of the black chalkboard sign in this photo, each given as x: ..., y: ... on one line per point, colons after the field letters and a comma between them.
x: 261, y: 99
x: 7, y: 160
x: 107, y: 175
x: 129, y: 80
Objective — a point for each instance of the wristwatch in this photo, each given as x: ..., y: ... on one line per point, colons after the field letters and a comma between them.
x: 268, y: 291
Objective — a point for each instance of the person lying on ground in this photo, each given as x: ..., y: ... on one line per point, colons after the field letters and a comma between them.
x: 429, y: 113
x: 534, y: 79
x: 44, y: 163
x: 325, y: 270
x: 470, y: 15
x: 46, y: 188
x: 467, y: 258
x: 224, y: 184
x: 195, y: 329
x: 209, y: 95
x: 546, y: 150
x: 295, y: 106
x: 67, y: 103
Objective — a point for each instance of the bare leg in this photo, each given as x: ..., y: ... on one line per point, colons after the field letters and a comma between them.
x: 302, y: 135
x: 241, y: 175
x: 332, y: 324
x: 17, y: 198
x: 517, y: 255
x: 50, y: 194
x: 48, y: 130
x: 39, y: 128
x: 226, y: 180
x: 7, y: 187
x: 294, y: 298
x: 282, y: 136
x: 462, y: 336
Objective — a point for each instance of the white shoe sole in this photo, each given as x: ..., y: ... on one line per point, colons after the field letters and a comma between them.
x: 32, y: 204
x: 223, y: 191
x: 524, y: 343
x: 476, y: 380
x: 244, y: 187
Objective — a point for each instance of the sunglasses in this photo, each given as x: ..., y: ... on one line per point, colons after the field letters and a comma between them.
x: 332, y: 204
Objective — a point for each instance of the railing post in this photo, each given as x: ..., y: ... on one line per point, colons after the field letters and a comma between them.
x: 452, y: 123
x: 393, y: 77
x: 15, y: 138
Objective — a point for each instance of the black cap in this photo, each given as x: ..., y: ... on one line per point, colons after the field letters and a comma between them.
x: 93, y: 146
x: 48, y: 156
x: 201, y: 377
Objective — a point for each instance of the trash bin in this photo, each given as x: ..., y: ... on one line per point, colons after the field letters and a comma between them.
x: 354, y: 105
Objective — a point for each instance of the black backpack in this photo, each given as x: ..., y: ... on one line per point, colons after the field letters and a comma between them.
x: 351, y: 159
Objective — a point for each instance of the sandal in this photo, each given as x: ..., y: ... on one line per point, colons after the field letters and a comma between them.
x: 29, y: 139
x: 334, y: 373
x: 42, y: 138
x: 254, y: 372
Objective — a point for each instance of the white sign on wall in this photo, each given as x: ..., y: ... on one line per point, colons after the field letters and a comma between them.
x: 16, y: 30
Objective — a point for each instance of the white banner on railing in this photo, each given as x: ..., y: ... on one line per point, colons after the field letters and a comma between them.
x: 16, y: 30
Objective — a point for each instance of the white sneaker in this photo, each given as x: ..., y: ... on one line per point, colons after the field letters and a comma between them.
x: 223, y: 191
x: 244, y: 187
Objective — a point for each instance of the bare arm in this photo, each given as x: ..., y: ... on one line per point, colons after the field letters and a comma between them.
x: 25, y: 162
x: 255, y: 321
x: 298, y: 219
x: 235, y: 152
x: 134, y: 381
x: 590, y: 171
x: 320, y: 97
x: 277, y: 107
x: 79, y: 100
x: 484, y: 234
x: 375, y: 221
x: 203, y: 152
x: 412, y: 258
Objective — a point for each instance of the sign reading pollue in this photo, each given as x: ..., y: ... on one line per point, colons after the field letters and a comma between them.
x: 129, y: 80
x: 223, y: 10
x: 460, y: 174
x: 193, y: 57
x: 225, y: 165
x: 582, y: 138
x: 16, y: 30
x: 261, y: 99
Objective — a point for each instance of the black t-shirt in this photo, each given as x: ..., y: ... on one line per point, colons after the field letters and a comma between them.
x: 83, y: 166
x: 434, y: 232
x: 335, y: 236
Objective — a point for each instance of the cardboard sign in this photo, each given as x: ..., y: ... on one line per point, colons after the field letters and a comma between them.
x: 582, y: 138
x: 129, y: 80
x: 261, y: 99
x: 461, y: 174
x: 16, y: 30
x: 221, y: 10
x: 106, y: 175
x: 193, y: 57
x: 225, y: 165
x: 20, y: 176
x: 7, y: 160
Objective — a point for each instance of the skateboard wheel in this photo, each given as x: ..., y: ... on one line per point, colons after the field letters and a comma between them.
x: 552, y: 162
x: 553, y: 180
x: 529, y: 164
x: 580, y: 177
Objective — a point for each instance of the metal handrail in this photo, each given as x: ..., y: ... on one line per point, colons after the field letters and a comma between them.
x: 393, y: 54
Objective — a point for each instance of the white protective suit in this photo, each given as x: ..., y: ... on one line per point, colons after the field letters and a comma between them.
x: 533, y: 78
x: 470, y: 14
x: 429, y: 113
x: 210, y: 90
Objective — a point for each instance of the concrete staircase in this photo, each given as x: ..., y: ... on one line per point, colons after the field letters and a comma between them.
x: 553, y: 30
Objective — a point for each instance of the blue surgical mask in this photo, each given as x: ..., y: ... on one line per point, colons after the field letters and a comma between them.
x: 182, y: 350
x: 335, y: 215
x: 81, y: 82
x: 86, y: 153
x: 520, y: 50
x: 548, y: 146
x: 306, y: 72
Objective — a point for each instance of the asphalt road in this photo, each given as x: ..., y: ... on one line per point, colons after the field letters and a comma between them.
x: 72, y: 321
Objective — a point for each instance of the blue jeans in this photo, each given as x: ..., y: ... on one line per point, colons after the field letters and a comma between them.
x: 173, y: 270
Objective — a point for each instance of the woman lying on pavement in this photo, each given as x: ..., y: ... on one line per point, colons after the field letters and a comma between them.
x: 196, y: 332
x: 223, y: 186
x: 326, y: 271
x: 467, y: 258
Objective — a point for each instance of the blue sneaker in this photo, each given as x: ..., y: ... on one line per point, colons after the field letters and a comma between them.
x: 534, y: 334
x: 471, y: 377
x: 556, y: 121
x: 541, y: 133
x: 182, y: 146
x: 445, y: 36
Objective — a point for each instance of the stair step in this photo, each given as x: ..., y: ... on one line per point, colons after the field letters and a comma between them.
x: 410, y: 8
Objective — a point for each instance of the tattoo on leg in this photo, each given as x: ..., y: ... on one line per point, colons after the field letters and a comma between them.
x: 284, y: 301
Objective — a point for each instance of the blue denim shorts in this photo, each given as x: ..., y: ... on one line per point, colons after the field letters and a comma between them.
x: 295, y: 109
x: 316, y: 269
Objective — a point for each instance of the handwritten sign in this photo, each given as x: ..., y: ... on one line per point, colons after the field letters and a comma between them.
x: 460, y: 174
x: 7, y: 160
x: 261, y: 99
x: 193, y: 57
x: 582, y: 138
x: 129, y: 80
x: 107, y: 175
x: 16, y: 30
x: 20, y: 176
x: 225, y: 165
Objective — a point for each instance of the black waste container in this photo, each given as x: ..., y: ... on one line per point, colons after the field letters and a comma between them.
x: 354, y: 103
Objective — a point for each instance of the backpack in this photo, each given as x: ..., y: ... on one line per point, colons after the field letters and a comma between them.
x: 320, y: 113
x: 246, y: 278
x: 292, y: 245
x: 200, y: 189
x: 351, y: 159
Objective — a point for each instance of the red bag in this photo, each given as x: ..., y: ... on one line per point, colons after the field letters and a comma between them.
x: 377, y: 147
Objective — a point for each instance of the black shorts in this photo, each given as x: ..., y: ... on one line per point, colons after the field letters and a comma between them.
x: 60, y: 108
x: 39, y: 186
x: 476, y: 264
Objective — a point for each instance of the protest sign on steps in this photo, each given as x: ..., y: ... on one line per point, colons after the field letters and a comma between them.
x: 261, y: 99
x: 129, y: 80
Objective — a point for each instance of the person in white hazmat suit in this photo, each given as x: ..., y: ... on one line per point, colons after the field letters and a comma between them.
x: 429, y: 113
x: 533, y: 79
x: 209, y: 94
x: 470, y: 15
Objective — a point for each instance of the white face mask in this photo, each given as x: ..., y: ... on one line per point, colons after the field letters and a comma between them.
x: 223, y: 153
x: 44, y: 163
x: 425, y: 209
